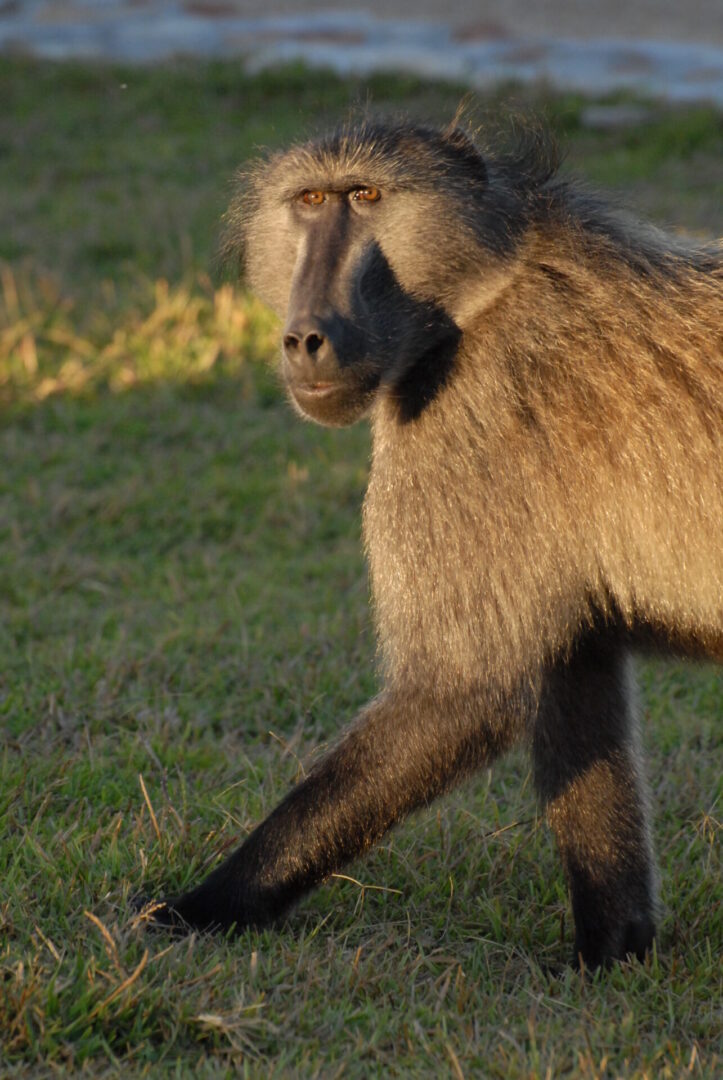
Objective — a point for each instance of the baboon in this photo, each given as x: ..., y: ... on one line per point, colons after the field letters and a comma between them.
x: 544, y: 383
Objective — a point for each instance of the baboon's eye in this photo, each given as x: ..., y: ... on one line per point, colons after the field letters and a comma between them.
x: 313, y: 198
x: 365, y: 194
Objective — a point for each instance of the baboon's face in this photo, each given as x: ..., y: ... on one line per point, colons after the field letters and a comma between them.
x: 353, y: 267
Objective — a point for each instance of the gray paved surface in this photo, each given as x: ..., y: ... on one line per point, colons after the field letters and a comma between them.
x: 670, y: 50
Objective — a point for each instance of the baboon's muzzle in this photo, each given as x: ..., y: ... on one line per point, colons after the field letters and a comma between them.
x: 310, y: 352
x: 324, y: 374
x: 312, y: 366
x: 327, y: 365
x: 351, y: 327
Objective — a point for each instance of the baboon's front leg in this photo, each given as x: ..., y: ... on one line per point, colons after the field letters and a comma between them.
x: 399, y: 754
x: 588, y: 771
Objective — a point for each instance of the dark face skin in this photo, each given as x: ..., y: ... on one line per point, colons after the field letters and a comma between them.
x: 351, y: 328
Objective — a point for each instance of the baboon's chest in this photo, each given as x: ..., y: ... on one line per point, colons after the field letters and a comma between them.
x: 465, y: 559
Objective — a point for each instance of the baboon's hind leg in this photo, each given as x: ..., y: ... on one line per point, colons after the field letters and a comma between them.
x: 588, y: 773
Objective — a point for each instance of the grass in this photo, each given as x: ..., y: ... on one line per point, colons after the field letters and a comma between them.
x: 184, y: 619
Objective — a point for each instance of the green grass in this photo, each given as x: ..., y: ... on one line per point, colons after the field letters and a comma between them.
x: 183, y: 599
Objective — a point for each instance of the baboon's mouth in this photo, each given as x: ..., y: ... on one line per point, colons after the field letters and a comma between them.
x: 335, y: 402
x: 314, y: 390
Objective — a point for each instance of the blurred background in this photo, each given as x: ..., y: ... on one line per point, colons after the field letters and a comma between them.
x: 183, y: 601
x: 658, y: 46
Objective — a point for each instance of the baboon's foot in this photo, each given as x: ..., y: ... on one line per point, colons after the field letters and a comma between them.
x: 597, y: 945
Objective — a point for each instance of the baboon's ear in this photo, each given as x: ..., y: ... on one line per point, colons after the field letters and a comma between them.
x: 461, y: 143
x: 455, y: 136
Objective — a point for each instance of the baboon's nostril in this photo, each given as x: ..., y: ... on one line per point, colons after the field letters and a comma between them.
x: 304, y: 345
x: 313, y: 343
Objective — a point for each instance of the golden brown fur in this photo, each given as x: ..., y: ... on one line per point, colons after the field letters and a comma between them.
x: 581, y: 443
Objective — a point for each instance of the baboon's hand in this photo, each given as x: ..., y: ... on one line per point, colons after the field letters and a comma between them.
x: 183, y: 914
x: 158, y: 914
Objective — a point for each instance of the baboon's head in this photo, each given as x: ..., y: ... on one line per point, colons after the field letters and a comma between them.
x: 374, y: 246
